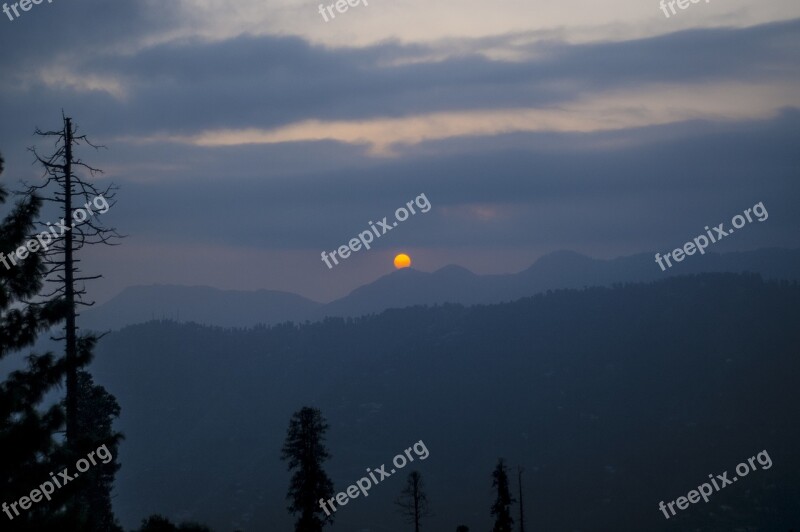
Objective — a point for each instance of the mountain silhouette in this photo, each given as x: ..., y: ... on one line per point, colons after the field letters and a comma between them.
x: 409, y: 287
x: 200, y: 304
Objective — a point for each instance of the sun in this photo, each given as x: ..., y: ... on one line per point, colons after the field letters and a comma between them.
x: 402, y: 261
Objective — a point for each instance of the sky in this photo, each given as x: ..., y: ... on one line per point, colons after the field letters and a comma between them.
x: 247, y: 138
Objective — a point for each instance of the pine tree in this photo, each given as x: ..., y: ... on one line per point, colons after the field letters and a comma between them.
x: 304, y: 450
x: 97, y: 410
x: 501, y: 509
x: 413, y: 500
x: 159, y: 523
x: 30, y: 450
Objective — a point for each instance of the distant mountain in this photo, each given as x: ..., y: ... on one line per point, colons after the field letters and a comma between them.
x: 562, y: 269
x: 409, y: 287
x: 566, y: 269
x: 200, y: 304
x: 612, y: 399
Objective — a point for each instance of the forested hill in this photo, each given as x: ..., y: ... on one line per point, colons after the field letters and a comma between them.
x: 613, y: 399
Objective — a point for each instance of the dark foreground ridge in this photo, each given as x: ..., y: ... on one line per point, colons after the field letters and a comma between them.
x: 612, y: 399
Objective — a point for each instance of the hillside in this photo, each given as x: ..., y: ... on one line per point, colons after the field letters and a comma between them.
x: 613, y: 399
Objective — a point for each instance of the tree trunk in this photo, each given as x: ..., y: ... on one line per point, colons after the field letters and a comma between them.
x: 69, y: 293
x: 521, y: 509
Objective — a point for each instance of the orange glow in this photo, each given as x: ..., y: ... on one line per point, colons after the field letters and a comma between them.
x: 402, y: 261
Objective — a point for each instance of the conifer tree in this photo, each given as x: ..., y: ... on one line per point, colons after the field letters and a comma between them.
x: 97, y: 410
x: 304, y: 450
x: 413, y: 500
x: 30, y: 448
x: 501, y: 509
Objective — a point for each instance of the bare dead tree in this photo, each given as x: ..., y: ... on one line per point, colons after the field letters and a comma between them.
x: 413, y: 501
x: 65, y: 188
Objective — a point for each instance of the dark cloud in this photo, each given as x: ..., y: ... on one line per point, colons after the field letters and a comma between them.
x: 186, y: 86
x: 633, y: 189
x: 662, y: 183
x: 74, y: 32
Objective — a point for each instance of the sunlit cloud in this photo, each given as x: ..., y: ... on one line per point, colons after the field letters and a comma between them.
x: 622, y: 109
x: 425, y: 21
x: 55, y: 77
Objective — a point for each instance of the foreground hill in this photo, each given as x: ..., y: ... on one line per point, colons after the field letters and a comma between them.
x: 613, y: 399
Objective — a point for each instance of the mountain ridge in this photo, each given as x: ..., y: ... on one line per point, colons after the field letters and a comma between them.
x: 408, y: 287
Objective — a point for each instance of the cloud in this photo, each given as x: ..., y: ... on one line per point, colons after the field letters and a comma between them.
x: 423, y: 21
x: 276, y: 89
x: 263, y: 142
x: 648, y: 183
x: 498, y: 202
x: 77, y: 31
x: 624, y: 109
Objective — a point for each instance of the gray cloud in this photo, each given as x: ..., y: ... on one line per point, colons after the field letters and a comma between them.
x: 633, y: 189
x: 187, y: 86
x: 75, y: 32
x: 545, y: 188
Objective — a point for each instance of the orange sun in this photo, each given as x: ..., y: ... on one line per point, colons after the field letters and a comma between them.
x: 402, y: 261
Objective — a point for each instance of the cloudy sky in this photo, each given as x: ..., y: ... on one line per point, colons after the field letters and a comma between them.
x: 249, y: 136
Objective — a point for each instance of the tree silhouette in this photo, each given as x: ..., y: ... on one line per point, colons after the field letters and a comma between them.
x: 501, y: 509
x: 97, y: 410
x: 304, y: 450
x: 413, y: 500
x: 81, y: 210
x: 520, y: 470
x: 74, y: 195
x: 159, y: 523
x: 29, y: 449
x: 462, y: 528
